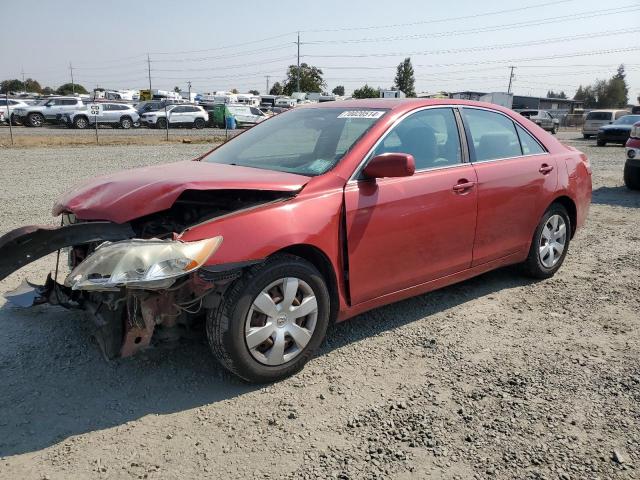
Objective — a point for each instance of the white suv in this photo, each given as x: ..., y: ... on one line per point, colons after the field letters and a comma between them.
x: 191, y: 116
x: 9, y: 109
x: 50, y: 110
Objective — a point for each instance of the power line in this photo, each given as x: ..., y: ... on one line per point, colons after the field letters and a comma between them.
x: 441, y: 20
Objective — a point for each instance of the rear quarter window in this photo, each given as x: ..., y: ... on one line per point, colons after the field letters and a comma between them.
x: 494, y: 135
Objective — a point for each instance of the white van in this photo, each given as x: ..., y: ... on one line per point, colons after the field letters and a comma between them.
x: 597, y: 118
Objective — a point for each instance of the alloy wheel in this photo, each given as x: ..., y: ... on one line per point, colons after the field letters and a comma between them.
x: 281, y: 321
x: 553, y: 240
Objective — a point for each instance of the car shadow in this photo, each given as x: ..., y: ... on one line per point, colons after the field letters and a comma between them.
x: 619, y: 196
x: 56, y: 384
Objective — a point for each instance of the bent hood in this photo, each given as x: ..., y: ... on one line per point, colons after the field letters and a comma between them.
x: 131, y: 194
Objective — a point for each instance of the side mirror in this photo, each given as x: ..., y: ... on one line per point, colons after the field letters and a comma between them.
x: 390, y: 165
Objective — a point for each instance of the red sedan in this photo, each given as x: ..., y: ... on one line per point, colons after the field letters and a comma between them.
x: 313, y: 216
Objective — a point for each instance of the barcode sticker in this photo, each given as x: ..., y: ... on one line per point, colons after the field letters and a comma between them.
x: 361, y: 114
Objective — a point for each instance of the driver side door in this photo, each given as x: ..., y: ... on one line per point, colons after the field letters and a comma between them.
x: 402, y: 232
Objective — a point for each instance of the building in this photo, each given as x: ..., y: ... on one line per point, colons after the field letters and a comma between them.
x: 553, y: 105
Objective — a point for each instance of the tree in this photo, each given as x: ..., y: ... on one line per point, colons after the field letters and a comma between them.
x: 234, y: 90
x: 366, y: 92
x: 14, y: 85
x: 254, y: 92
x: 310, y: 79
x: 69, y: 88
x: 618, y: 91
x: 586, y: 95
x: 177, y: 89
x: 31, y: 85
x: 405, y: 81
x: 552, y: 94
x: 48, y: 91
x: 276, y: 89
x: 339, y: 90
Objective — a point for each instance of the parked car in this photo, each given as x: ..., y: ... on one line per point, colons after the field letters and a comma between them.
x: 245, y: 115
x: 47, y: 111
x: 153, y: 105
x: 632, y: 165
x: 618, y: 131
x: 598, y: 118
x: 118, y: 115
x: 9, y: 110
x: 317, y: 215
x: 192, y: 116
x: 542, y: 118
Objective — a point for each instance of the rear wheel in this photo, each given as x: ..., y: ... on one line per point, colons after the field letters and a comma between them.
x: 586, y: 136
x: 14, y: 119
x: 81, y: 122
x: 601, y: 143
x: 271, y: 320
x: 161, y: 123
x: 550, y: 243
x: 199, y: 123
x: 554, y: 130
x: 632, y: 178
x: 35, y: 119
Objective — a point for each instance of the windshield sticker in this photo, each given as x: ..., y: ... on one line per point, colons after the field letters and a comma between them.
x: 361, y: 114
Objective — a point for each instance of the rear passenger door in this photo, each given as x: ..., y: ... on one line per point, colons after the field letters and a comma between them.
x: 517, y: 178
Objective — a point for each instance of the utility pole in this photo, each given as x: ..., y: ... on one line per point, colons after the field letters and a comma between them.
x: 189, y: 83
x: 73, y: 86
x: 298, y: 80
x: 511, y: 75
x: 23, y: 82
x: 267, y: 77
x: 149, y: 69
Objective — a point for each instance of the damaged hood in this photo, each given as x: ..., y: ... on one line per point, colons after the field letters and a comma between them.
x: 131, y: 194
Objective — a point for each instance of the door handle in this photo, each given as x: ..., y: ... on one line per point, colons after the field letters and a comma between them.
x: 545, y: 169
x: 463, y: 186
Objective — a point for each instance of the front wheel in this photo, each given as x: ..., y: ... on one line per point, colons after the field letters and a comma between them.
x: 554, y: 130
x: 35, y: 119
x: 81, y: 123
x: 126, y: 123
x: 161, y: 123
x: 550, y: 243
x: 271, y: 320
x: 632, y: 177
x: 601, y: 143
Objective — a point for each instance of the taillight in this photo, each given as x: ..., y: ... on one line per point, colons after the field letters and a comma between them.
x: 635, y: 131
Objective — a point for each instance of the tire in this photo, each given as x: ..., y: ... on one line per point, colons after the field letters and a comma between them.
x: 125, y: 123
x: 35, y: 119
x: 601, y: 143
x: 161, y: 123
x: 81, y: 122
x: 14, y: 119
x: 586, y: 136
x: 227, y: 325
x: 199, y: 123
x: 631, y: 178
x: 554, y: 130
x: 535, y: 265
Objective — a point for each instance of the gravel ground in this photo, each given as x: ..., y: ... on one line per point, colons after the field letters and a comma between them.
x: 104, y: 130
x: 497, y: 377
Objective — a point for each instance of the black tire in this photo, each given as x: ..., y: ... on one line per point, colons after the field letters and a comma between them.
x: 601, y: 143
x: 199, y: 123
x: 125, y: 123
x: 14, y: 119
x: 554, y: 130
x: 161, y: 123
x: 80, y: 122
x: 631, y: 178
x: 35, y: 120
x: 226, y: 324
x: 532, y: 266
x: 586, y: 136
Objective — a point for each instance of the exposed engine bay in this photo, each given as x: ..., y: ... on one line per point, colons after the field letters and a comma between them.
x: 137, y: 280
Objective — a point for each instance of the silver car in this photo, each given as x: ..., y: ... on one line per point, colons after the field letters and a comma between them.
x: 118, y: 115
x: 542, y: 118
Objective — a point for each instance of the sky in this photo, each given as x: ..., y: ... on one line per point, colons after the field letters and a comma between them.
x: 455, y: 45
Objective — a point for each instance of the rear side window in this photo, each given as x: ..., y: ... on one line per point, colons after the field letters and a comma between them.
x: 529, y: 144
x: 493, y: 135
x: 606, y: 116
x: 68, y: 102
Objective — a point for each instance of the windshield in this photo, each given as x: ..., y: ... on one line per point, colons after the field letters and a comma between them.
x: 306, y: 141
x: 628, y: 120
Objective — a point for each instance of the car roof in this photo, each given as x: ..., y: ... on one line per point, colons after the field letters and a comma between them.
x: 400, y: 105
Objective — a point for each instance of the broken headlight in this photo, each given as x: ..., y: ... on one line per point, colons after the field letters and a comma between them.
x: 140, y: 263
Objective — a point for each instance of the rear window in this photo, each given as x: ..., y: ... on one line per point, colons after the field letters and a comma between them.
x: 599, y: 116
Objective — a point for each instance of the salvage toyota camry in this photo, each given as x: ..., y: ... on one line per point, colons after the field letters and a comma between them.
x: 310, y: 217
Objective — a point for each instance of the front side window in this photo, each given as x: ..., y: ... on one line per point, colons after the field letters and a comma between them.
x: 430, y: 135
x: 493, y: 135
x: 305, y: 141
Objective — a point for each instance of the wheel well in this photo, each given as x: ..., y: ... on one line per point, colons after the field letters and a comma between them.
x: 319, y: 260
x: 125, y: 117
x: 570, y: 206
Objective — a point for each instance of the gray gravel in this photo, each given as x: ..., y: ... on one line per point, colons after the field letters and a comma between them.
x: 497, y: 377
x: 105, y: 130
